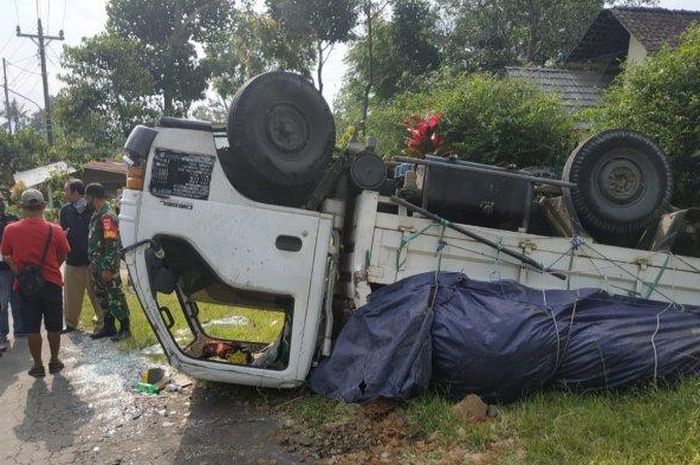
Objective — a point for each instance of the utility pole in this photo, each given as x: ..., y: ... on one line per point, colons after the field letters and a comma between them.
x: 40, y: 38
x: 8, y: 116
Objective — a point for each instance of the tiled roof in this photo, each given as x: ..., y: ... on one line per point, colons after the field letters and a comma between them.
x: 655, y: 27
x: 577, y: 89
x: 109, y: 166
x: 609, y: 35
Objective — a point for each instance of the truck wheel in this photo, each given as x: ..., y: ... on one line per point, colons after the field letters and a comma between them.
x: 280, y: 131
x: 623, y: 184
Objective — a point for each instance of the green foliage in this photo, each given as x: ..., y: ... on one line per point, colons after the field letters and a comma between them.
x: 386, y: 69
x: 165, y: 32
x: 320, y: 23
x: 252, y: 44
x: 327, y: 21
x: 660, y: 97
x: 416, y: 36
x: 493, y: 34
x: 403, y: 48
x: 16, y: 115
x: 20, y: 151
x: 486, y: 119
x: 107, y: 90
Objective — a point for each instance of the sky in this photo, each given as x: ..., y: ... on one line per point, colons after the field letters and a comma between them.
x: 85, y: 18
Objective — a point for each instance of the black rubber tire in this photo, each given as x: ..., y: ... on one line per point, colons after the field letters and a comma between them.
x: 281, y: 135
x: 623, y: 184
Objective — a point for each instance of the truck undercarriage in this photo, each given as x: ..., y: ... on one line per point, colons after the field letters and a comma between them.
x: 207, y: 222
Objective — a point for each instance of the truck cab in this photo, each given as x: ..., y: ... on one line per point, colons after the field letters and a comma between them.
x: 188, y: 232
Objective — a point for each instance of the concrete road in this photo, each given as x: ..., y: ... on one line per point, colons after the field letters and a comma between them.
x: 89, y: 414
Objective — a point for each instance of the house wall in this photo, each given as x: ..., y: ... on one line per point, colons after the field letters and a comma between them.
x: 110, y: 181
x: 637, y: 52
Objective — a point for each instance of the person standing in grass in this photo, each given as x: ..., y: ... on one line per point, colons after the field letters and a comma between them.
x: 75, y: 221
x: 34, y: 242
x: 7, y: 279
x: 104, y: 251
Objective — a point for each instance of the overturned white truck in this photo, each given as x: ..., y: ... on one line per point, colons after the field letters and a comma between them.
x: 268, y: 215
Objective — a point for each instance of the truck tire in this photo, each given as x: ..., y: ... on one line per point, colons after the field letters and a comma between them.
x: 623, y: 184
x: 281, y: 134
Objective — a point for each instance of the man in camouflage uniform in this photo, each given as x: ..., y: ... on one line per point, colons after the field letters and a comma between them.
x: 104, y: 251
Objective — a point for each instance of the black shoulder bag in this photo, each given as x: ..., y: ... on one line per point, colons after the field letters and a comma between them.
x: 30, y: 278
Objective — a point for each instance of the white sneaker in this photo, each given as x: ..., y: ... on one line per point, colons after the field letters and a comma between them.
x: 3, y: 346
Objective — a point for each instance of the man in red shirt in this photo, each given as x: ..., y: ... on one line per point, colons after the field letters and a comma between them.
x: 23, y: 244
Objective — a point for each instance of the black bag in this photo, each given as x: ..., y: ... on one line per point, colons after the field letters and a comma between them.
x: 30, y: 278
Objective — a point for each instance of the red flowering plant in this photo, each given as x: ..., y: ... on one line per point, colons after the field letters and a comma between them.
x: 423, y: 137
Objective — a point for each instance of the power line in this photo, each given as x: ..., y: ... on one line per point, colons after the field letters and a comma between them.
x: 30, y: 57
x: 36, y: 84
x: 6, y: 43
x: 21, y: 81
x: 63, y: 23
x: 56, y: 54
x: 16, y: 50
x: 17, y: 11
x: 24, y: 97
x: 23, y: 69
x: 16, y: 78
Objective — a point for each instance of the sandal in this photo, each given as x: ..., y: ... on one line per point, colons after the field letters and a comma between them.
x: 55, y: 367
x: 37, y: 371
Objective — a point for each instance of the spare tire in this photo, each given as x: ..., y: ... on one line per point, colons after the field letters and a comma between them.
x: 623, y: 185
x: 281, y: 135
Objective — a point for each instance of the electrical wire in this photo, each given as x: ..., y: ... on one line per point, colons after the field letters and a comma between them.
x: 6, y: 43
x: 56, y: 54
x: 15, y: 78
x: 63, y: 23
x: 36, y: 83
x: 16, y: 50
x: 23, y: 69
x: 17, y: 11
x: 32, y: 56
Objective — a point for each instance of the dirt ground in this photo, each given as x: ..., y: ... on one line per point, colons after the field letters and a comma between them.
x: 90, y: 414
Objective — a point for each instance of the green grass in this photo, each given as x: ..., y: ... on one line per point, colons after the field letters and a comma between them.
x: 644, y: 426
x: 315, y: 411
x: 263, y: 326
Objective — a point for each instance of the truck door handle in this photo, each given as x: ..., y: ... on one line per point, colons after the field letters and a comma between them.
x: 288, y: 243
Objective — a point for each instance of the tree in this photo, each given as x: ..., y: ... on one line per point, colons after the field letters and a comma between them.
x: 254, y: 43
x: 490, y: 34
x: 416, y: 35
x: 322, y: 22
x: 388, y: 57
x: 17, y: 117
x: 107, y: 90
x: 660, y: 97
x: 165, y: 32
x: 20, y: 151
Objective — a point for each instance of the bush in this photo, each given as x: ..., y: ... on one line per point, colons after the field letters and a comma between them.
x: 486, y: 119
x: 660, y: 97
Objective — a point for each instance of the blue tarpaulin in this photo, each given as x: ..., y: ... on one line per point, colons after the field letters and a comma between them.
x: 501, y: 340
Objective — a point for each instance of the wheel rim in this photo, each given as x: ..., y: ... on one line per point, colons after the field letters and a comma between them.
x: 287, y: 128
x: 621, y: 180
